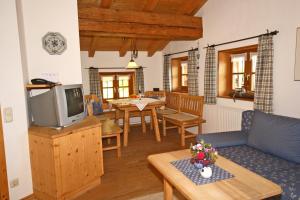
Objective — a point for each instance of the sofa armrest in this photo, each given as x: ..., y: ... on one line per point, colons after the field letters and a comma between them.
x: 224, y: 139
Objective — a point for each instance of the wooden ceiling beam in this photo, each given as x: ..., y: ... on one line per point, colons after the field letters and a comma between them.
x: 141, y: 29
x: 105, y: 3
x: 92, y: 48
x: 137, y: 17
x: 150, y: 5
x: 155, y: 46
x: 191, y: 7
x: 125, y: 47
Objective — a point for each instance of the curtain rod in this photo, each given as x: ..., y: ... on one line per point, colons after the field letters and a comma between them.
x: 248, y: 38
x: 170, y: 54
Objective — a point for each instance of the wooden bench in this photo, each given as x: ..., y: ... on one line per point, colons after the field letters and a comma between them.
x: 171, y: 107
x: 190, y: 114
x: 109, y: 130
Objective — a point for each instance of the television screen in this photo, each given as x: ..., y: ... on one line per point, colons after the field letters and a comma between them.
x: 74, y: 101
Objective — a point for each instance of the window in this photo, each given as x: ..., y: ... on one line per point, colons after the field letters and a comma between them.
x: 116, y: 85
x: 180, y: 74
x: 236, y: 73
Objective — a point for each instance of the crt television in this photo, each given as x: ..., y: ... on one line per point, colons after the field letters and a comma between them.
x: 60, y: 106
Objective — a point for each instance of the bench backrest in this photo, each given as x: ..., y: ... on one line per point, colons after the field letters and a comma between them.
x: 192, y: 104
x: 173, y: 100
x: 155, y: 94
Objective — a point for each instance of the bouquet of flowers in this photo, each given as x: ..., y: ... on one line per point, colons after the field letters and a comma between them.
x: 203, y: 154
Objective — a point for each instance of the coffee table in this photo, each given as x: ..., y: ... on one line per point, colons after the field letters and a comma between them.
x: 244, y: 185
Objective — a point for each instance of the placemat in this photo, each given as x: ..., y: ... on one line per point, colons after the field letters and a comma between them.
x: 194, y: 175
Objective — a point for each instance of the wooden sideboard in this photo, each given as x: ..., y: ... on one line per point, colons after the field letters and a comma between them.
x: 67, y: 162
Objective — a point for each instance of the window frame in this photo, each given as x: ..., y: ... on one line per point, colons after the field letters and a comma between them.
x: 176, y: 78
x: 131, y: 83
x: 225, y: 72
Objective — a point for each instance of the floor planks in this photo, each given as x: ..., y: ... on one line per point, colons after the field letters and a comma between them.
x: 131, y: 175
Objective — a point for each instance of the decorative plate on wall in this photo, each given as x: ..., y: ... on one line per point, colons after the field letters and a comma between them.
x: 54, y: 43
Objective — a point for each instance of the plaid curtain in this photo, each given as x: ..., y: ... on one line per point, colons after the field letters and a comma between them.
x: 263, y: 96
x: 210, y: 89
x: 95, y: 83
x: 166, y: 74
x: 139, y: 77
x: 192, y: 73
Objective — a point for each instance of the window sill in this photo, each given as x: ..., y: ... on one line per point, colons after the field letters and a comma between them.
x: 237, y: 98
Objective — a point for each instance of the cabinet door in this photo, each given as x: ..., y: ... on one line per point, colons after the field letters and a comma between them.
x: 79, y: 159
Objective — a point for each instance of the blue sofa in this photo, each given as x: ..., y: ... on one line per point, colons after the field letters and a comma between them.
x: 268, y: 145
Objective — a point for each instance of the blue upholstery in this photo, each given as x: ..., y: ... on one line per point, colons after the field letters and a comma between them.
x: 232, y: 145
x: 247, y: 119
x: 280, y: 171
x: 97, y: 108
x: 224, y: 139
x: 276, y: 134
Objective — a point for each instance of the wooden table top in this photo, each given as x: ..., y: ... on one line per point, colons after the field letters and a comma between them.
x: 244, y: 185
x: 126, y: 103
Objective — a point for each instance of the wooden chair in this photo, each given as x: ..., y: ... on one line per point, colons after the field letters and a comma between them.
x: 109, y: 130
x: 191, y: 114
x: 159, y: 94
x: 111, y: 114
x: 171, y: 107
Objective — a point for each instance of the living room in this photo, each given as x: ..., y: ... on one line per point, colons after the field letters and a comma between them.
x: 23, y: 58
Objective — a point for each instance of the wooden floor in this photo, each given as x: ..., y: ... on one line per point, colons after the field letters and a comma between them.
x: 131, y: 175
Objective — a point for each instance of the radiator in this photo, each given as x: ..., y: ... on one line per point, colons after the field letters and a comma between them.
x: 220, y: 119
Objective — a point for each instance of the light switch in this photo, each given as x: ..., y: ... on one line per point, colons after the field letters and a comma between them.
x: 8, y: 114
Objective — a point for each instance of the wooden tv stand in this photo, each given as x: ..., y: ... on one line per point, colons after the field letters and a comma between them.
x: 67, y: 162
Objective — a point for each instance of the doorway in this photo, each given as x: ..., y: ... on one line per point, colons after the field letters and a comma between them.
x: 3, y: 174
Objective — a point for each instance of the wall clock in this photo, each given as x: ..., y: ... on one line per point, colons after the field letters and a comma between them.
x: 54, y: 43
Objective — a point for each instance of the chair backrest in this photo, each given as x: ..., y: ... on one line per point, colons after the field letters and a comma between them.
x: 89, y: 98
x: 155, y: 94
x: 192, y: 104
x: 173, y: 100
x: 247, y: 120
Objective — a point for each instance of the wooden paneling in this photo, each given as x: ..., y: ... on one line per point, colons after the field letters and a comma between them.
x: 68, y: 163
x: 146, y: 18
x: 3, y: 174
x: 149, y: 20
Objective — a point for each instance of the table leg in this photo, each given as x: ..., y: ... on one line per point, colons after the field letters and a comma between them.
x: 168, y: 190
x: 143, y: 122
x: 155, y: 122
x: 126, y: 126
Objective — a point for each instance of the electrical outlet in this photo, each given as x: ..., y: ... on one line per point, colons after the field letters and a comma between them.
x: 14, y: 183
x: 8, y: 114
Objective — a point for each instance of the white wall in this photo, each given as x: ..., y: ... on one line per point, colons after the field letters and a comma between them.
x: 152, y: 73
x: 13, y: 95
x: 45, y: 16
x: 235, y: 19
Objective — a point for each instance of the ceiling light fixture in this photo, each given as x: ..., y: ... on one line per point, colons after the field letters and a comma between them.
x: 134, y: 54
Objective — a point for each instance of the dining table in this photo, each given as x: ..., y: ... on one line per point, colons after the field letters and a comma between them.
x: 137, y: 105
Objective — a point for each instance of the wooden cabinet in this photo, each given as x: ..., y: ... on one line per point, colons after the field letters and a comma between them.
x: 66, y: 162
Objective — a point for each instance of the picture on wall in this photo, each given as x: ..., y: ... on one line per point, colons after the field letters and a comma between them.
x: 297, y: 62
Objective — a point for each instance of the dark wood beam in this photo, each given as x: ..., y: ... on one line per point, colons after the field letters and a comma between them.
x: 125, y: 47
x: 156, y: 45
x: 92, y: 48
x: 105, y: 3
x: 141, y: 29
x: 150, y: 5
x: 125, y: 35
x: 137, y: 17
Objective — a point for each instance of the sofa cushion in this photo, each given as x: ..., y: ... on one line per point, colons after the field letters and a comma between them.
x: 278, y: 170
x: 277, y: 135
x: 224, y: 139
x: 247, y: 119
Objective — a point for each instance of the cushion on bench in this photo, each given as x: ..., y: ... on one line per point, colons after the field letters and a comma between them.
x: 278, y: 170
x: 276, y: 135
x: 224, y: 139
